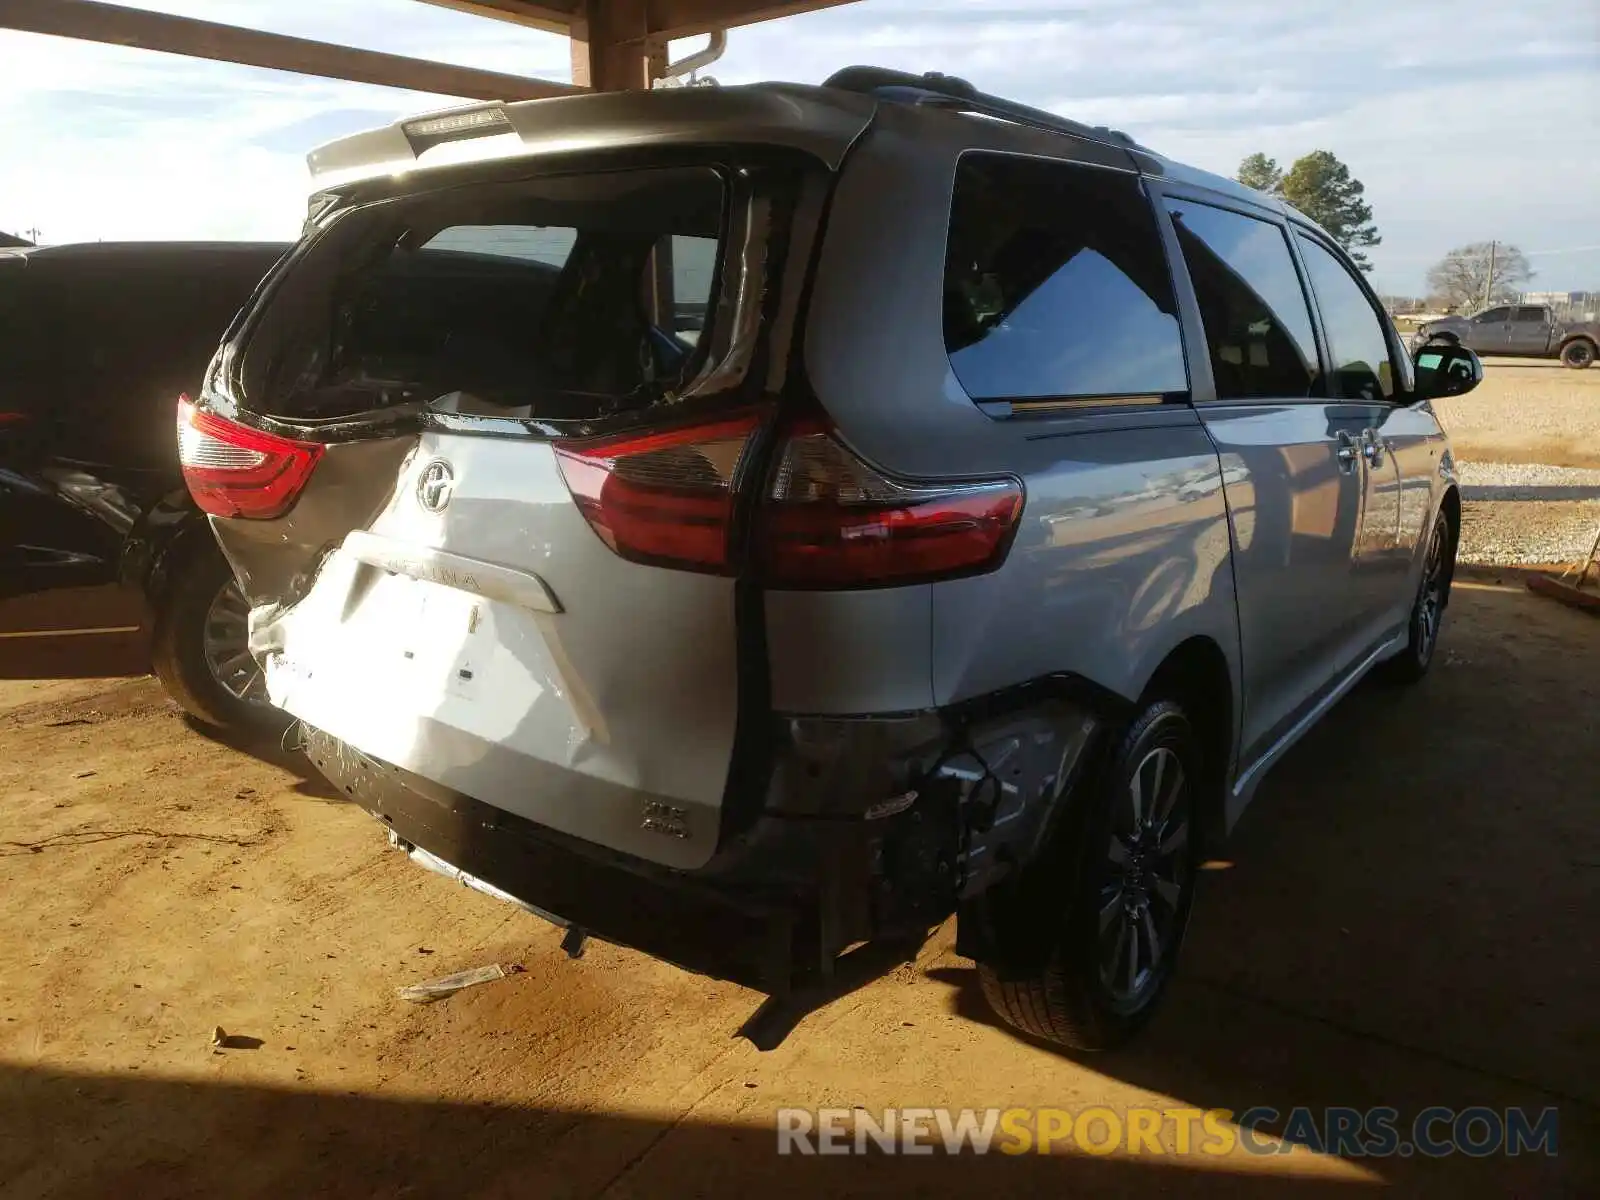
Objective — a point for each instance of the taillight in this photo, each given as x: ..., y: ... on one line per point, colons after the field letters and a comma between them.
x: 235, y: 471
x: 832, y: 521
x: 665, y: 497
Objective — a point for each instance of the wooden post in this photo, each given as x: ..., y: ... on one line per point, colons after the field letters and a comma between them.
x: 612, y: 48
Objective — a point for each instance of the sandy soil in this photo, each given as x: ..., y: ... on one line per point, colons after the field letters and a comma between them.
x: 1408, y: 920
x: 1527, y: 410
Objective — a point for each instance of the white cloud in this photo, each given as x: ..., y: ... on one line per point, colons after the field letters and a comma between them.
x: 1466, y: 122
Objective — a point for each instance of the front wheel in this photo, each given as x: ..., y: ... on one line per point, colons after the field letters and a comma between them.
x: 1427, y: 611
x: 1578, y: 354
x: 1111, y: 931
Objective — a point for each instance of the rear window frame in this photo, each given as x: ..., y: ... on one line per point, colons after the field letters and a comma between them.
x: 755, y: 178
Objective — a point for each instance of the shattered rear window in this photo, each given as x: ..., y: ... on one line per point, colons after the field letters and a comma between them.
x: 569, y: 297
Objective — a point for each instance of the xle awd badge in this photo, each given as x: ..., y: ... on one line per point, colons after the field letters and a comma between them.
x: 435, y: 485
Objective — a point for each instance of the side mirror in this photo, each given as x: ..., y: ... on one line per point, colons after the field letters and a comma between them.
x: 1446, y: 369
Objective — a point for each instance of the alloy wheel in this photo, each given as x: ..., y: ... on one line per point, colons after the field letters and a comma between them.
x: 225, y: 643
x: 1430, y: 601
x: 1144, y: 878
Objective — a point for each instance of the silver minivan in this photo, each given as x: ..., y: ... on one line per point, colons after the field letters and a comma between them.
x: 746, y: 523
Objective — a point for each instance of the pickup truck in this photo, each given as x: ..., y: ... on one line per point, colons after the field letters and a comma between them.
x: 1530, y: 330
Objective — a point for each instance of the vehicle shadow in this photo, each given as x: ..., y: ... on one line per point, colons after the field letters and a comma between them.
x: 281, y: 751
x: 65, y: 1134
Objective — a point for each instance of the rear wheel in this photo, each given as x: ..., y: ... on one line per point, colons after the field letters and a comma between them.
x: 1110, y: 944
x: 1578, y: 353
x: 201, y: 650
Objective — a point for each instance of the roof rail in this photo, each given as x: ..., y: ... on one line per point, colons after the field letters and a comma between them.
x: 946, y: 91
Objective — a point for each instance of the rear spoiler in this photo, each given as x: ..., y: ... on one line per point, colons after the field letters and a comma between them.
x: 821, y: 121
x: 397, y: 147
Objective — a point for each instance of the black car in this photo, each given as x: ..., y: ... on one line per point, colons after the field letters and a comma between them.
x: 106, y: 565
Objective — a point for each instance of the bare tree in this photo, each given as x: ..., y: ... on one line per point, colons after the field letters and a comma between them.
x: 1472, y: 276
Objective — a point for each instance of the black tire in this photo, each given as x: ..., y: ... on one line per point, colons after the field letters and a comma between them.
x: 179, y: 651
x: 1428, y: 609
x: 1095, y: 920
x: 1578, y: 354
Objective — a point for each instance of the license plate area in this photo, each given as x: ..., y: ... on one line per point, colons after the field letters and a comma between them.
x: 438, y: 634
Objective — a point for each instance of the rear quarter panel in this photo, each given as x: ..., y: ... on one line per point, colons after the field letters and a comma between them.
x: 1122, y: 555
x: 1123, y: 548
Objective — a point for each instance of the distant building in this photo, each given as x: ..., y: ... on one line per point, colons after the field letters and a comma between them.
x: 1562, y: 299
x: 9, y: 240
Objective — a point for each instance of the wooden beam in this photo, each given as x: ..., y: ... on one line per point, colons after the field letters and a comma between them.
x: 118, y: 26
x: 552, y: 18
x: 690, y: 18
x: 667, y: 18
x: 612, y: 50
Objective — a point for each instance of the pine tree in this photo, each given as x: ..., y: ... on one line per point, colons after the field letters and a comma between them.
x: 1262, y: 173
x: 1321, y: 187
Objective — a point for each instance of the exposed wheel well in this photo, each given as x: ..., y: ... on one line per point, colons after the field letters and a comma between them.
x: 1196, y: 675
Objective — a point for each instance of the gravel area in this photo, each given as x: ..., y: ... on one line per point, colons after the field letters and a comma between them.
x: 1527, y: 411
x: 1527, y: 442
x: 1527, y: 481
x: 1527, y: 532
x: 1527, y: 513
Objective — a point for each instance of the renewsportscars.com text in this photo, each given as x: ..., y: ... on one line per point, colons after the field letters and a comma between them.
x: 1434, y: 1132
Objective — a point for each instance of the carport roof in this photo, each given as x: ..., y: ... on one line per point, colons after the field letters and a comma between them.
x: 664, y: 18
x: 616, y: 44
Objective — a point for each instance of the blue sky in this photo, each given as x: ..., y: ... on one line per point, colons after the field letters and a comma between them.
x: 1470, y: 120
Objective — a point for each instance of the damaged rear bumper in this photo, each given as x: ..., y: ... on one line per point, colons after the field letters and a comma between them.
x: 869, y: 829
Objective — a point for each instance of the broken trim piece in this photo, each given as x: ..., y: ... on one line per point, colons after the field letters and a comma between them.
x: 492, y: 581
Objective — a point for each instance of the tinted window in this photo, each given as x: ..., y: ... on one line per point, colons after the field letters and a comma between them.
x: 571, y: 297
x: 1535, y: 315
x: 1258, y: 327
x: 1055, y: 284
x: 525, y: 243
x: 1493, y: 315
x: 1360, y: 352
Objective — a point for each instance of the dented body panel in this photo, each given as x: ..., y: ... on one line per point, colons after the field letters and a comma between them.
x: 536, y: 684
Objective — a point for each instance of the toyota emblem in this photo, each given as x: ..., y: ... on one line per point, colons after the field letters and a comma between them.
x: 435, y: 484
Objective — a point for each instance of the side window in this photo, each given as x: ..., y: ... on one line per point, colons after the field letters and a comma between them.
x: 1056, y: 285
x: 1356, y: 343
x: 1493, y: 316
x: 694, y: 268
x: 1258, y: 325
x: 1530, y: 316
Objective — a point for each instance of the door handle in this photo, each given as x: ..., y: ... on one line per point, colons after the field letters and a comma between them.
x: 1372, y: 447
x: 1346, y: 453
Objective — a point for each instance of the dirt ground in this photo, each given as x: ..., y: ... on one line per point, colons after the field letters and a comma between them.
x: 1408, y: 919
x: 1527, y: 410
